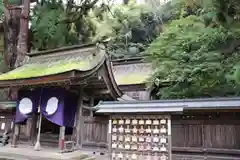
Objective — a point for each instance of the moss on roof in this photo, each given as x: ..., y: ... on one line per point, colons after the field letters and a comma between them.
x: 47, y: 68
x: 134, y: 73
x: 132, y: 78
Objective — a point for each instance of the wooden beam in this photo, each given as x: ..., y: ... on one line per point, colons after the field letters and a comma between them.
x: 89, y: 108
x: 133, y: 87
x: 64, y: 77
x: 97, y: 92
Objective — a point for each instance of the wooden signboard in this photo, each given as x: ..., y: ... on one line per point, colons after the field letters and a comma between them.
x: 140, y: 137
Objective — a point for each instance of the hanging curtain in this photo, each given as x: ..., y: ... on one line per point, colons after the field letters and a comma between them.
x: 28, y: 102
x: 58, y: 106
x: 70, y: 109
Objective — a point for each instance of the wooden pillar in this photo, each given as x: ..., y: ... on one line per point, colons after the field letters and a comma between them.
x: 91, y: 105
x: 28, y: 129
x: 16, y: 135
x: 8, y: 124
x: 79, y: 121
x: 61, y: 138
x: 37, y: 146
x: 33, y: 131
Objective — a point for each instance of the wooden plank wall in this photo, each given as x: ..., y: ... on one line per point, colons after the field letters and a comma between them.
x: 211, y: 137
x: 95, y: 131
x: 138, y: 95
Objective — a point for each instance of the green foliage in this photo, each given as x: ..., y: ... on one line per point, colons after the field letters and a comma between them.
x: 55, y: 24
x: 47, y: 29
x: 10, y: 2
x: 193, y: 59
x: 128, y: 28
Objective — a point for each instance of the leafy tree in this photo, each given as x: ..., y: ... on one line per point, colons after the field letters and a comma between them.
x: 55, y: 24
x: 10, y: 2
x: 197, y: 54
x: 129, y: 29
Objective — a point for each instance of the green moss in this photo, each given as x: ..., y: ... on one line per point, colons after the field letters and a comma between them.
x: 51, y: 68
x: 130, y: 78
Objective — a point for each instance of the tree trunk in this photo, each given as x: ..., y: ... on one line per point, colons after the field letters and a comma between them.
x: 22, y: 45
x: 16, y: 49
x: 11, y: 30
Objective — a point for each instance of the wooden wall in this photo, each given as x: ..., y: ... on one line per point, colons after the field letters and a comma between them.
x: 211, y: 137
x: 195, y: 136
x: 95, y: 131
x: 138, y: 95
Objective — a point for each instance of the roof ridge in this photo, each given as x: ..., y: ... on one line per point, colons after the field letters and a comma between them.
x: 179, y: 100
x: 66, y: 48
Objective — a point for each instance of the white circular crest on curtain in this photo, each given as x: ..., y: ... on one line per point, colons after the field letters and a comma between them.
x: 52, y: 105
x: 25, y: 106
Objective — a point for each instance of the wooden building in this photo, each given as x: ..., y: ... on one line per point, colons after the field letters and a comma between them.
x: 199, y: 129
x: 84, y: 70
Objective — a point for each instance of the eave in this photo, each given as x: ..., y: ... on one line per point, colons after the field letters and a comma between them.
x: 170, y: 106
x: 59, y: 78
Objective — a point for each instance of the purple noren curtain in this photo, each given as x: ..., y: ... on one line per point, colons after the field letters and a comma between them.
x: 28, y: 101
x: 59, y: 106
